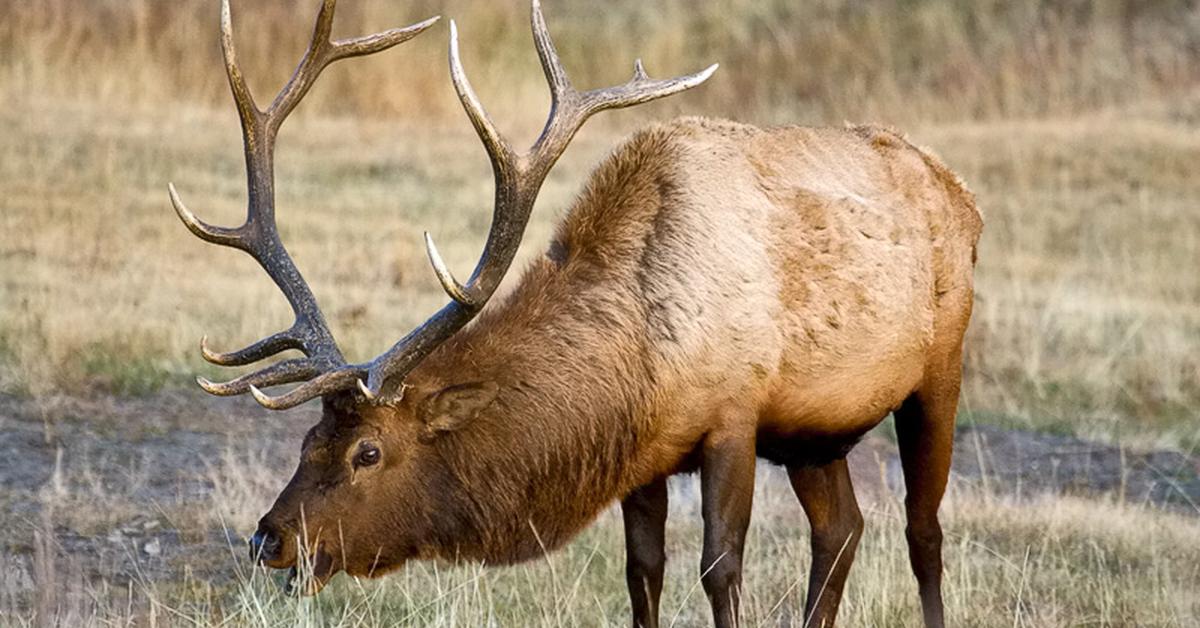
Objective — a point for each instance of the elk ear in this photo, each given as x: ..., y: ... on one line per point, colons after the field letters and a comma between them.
x: 454, y: 406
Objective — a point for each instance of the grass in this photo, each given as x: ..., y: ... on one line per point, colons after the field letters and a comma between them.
x: 1084, y: 320
x: 903, y: 60
x: 1038, y: 562
x: 1074, y: 122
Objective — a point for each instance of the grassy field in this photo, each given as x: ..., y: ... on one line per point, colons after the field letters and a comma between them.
x: 1076, y: 123
x: 1055, y: 563
x: 1085, y: 320
x: 142, y: 517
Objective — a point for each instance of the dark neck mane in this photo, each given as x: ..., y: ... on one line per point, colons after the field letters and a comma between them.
x: 568, y: 348
x: 553, y: 449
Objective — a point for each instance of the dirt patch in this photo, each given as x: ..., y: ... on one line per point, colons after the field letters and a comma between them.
x: 1032, y: 464
x: 1025, y: 465
x: 124, y: 488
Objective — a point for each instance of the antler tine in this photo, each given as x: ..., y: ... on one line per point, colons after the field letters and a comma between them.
x: 322, y: 51
x: 285, y: 372
x: 455, y: 290
x: 371, y: 44
x: 209, y: 233
x: 518, y: 179
x: 556, y: 76
x: 339, y: 379
x: 641, y: 88
x: 247, y: 111
x: 498, y: 148
x: 260, y: 350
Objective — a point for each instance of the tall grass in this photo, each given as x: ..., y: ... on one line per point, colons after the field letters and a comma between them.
x: 899, y: 60
x: 1040, y: 562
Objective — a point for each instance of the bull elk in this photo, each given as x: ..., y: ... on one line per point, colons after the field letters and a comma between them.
x: 717, y: 293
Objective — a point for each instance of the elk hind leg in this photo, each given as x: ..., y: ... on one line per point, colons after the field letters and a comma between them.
x: 925, y: 433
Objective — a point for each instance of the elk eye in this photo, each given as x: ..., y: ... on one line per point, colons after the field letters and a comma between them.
x: 367, y: 455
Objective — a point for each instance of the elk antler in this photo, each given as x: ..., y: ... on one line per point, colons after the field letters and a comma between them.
x: 259, y: 236
x: 518, y: 177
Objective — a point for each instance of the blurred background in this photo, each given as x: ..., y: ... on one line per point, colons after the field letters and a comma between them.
x: 812, y: 61
x: 1077, y: 123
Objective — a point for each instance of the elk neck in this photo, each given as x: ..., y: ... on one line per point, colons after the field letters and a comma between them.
x: 554, y: 448
x: 569, y: 348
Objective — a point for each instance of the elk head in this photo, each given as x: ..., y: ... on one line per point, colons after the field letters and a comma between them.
x: 371, y: 489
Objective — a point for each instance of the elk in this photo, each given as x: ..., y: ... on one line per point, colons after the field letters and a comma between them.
x: 718, y: 293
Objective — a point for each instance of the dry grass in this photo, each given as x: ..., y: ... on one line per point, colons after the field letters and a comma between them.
x: 1086, y: 320
x: 815, y: 60
x: 1044, y: 562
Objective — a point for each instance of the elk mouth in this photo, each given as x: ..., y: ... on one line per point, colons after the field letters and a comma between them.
x: 310, y: 577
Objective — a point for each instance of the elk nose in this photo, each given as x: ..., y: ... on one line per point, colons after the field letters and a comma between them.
x: 265, y: 544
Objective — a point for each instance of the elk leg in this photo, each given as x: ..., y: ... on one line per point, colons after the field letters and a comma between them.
x: 837, y: 524
x: 645, y: 515
x: 925, y: 432
x: 727, y: 491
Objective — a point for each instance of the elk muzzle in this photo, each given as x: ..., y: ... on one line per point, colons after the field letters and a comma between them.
x: 279, y: 547
x: 266, y: 546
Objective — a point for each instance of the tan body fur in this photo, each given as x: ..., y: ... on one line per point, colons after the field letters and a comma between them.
x: 714, y: 280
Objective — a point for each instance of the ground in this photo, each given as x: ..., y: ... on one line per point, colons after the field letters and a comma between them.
x: 122, y: 508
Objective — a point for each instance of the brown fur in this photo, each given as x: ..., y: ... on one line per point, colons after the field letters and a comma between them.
x: 714, y: 284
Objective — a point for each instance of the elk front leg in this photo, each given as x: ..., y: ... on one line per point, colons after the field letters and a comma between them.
x: 837, y: 524
x: 645, y: 515
x: 727, y: 491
